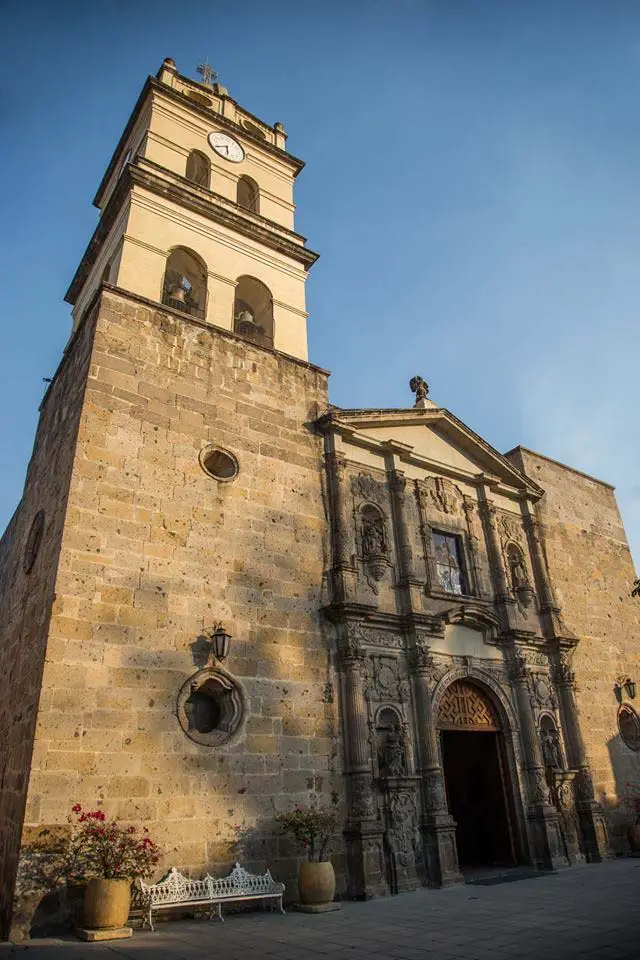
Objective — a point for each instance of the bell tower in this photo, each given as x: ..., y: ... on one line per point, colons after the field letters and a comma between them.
x: 196, y: 212
x: 175, y: 485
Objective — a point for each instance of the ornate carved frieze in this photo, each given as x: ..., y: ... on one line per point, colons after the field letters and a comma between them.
x: 377, y: 637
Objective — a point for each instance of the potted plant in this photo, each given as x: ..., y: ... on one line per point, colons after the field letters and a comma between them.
x: 311, y: 829
x: 110, y: 856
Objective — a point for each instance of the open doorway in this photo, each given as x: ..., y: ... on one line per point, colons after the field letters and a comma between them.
x: 477, y: 798
x: 479, y: 792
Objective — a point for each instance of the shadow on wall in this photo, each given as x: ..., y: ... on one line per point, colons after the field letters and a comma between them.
x: 621, y: 812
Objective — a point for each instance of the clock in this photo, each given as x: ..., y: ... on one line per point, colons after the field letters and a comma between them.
x: 225, y: 146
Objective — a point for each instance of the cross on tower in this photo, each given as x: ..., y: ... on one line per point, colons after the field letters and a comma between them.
x: 207, y: 72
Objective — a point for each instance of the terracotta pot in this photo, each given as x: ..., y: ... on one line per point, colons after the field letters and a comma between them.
x: 106, y: 904
x: 316, y: 882
x: 633, y: 833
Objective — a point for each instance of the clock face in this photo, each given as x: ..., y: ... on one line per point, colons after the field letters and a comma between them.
x: 225, y: 146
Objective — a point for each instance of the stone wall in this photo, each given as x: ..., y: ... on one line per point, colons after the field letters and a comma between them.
x: 592, y: 574
x: 154, y: 552
x: 26, y: 597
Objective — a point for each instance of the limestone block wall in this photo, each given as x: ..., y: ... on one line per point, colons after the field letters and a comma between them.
x: 154, y: 552
x: 26, y: 597
x: 592, y: 574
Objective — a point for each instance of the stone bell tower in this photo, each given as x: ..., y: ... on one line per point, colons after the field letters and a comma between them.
x: 175, y: 484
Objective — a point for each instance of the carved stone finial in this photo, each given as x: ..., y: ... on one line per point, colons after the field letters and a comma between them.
x: 421, y: 389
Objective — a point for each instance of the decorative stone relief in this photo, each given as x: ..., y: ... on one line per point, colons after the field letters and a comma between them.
x: 392, y: 753
x: 401, y: 833
x: 361, y: 796
x: 373, y: 543
x: 372, y: 637
x: 444, y: 495
x: 366, y: 487
x: 542, y: 694
x: 386, y: 681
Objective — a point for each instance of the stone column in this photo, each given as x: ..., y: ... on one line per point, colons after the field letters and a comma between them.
x: 542, y: 818
x: 592, y: 825
x: 549, y: 608
x: 343, y: 574
x: 412, y: 587
x: 363, y: 832
x: 496, y: 560
x: 437, y: 826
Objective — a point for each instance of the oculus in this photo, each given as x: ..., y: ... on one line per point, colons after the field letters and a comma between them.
x: 219, y: 464
x: 211, y: 707
x: 629, y: 726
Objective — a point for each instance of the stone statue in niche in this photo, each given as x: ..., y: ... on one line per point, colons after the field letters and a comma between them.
x: 392, y: 754
x: 372, y: 534
x: 374, y: 542
x: 550, y: 743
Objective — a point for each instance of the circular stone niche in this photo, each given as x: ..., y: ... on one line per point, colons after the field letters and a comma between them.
x: 211, y: 707
x: 219, y: 464
x: 629, y: 726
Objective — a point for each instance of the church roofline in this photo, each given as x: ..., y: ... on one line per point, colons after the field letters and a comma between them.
x: 152, y: 83
x: 418, y: 415
x: 559, y: 463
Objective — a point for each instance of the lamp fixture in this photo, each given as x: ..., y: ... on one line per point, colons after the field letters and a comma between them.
x: 626, y: 685
x: 220, y: 642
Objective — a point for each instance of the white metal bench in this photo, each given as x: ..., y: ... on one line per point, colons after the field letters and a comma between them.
x: 175, y: 890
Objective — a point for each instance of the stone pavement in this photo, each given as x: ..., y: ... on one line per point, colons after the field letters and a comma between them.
x: 589, y: 911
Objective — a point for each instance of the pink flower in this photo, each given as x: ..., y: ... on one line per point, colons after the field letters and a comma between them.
x: 131, y: 830
x: 76, y: 808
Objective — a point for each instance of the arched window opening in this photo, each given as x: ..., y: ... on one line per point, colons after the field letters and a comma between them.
x: 198, y: 168
x: 253, y: 311
x: 248, y: 195
x: 550, y: 742
x: 185, y: 283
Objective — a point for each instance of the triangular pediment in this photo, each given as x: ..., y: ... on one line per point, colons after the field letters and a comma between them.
x: 430, y: 436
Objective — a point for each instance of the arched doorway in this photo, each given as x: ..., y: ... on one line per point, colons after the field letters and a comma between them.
x: 479, y: 793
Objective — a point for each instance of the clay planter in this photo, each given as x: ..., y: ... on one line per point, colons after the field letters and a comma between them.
x: 106, y: 904
x: 633, y: 833
x: 316, y: 882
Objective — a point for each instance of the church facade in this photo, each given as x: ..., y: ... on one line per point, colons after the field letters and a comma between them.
x: 434, y: 637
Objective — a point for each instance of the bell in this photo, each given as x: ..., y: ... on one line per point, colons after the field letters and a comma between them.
x: 179, y: 293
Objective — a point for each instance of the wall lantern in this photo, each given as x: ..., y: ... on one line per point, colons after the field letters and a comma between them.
x: 220, y: 642
x: 626, y: 685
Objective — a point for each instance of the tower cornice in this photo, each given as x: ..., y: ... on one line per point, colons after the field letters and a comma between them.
x: 165, y: 183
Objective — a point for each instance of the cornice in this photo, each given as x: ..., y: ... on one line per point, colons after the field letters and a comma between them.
x: 349, y: 424
x: 213, y: 207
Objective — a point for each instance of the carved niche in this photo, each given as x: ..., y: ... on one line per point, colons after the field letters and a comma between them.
x: 391, y: 744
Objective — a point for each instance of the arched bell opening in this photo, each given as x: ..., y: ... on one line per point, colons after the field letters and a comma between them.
x: 185, y: 282
x: 253, y: 311
x: 478, y: 778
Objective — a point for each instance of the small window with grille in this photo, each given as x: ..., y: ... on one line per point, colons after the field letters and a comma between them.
x: 449, y: 564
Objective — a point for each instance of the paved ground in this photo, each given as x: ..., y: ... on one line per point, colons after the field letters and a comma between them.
x: 589, y: 911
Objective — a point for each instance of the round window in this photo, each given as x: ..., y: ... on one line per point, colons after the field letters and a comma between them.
x: 211, y: 707
x: 219, y: 464
x: 629, y: 726
x: 34, y: 540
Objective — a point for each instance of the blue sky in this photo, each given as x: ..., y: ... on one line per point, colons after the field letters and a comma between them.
x: 472, y: 185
